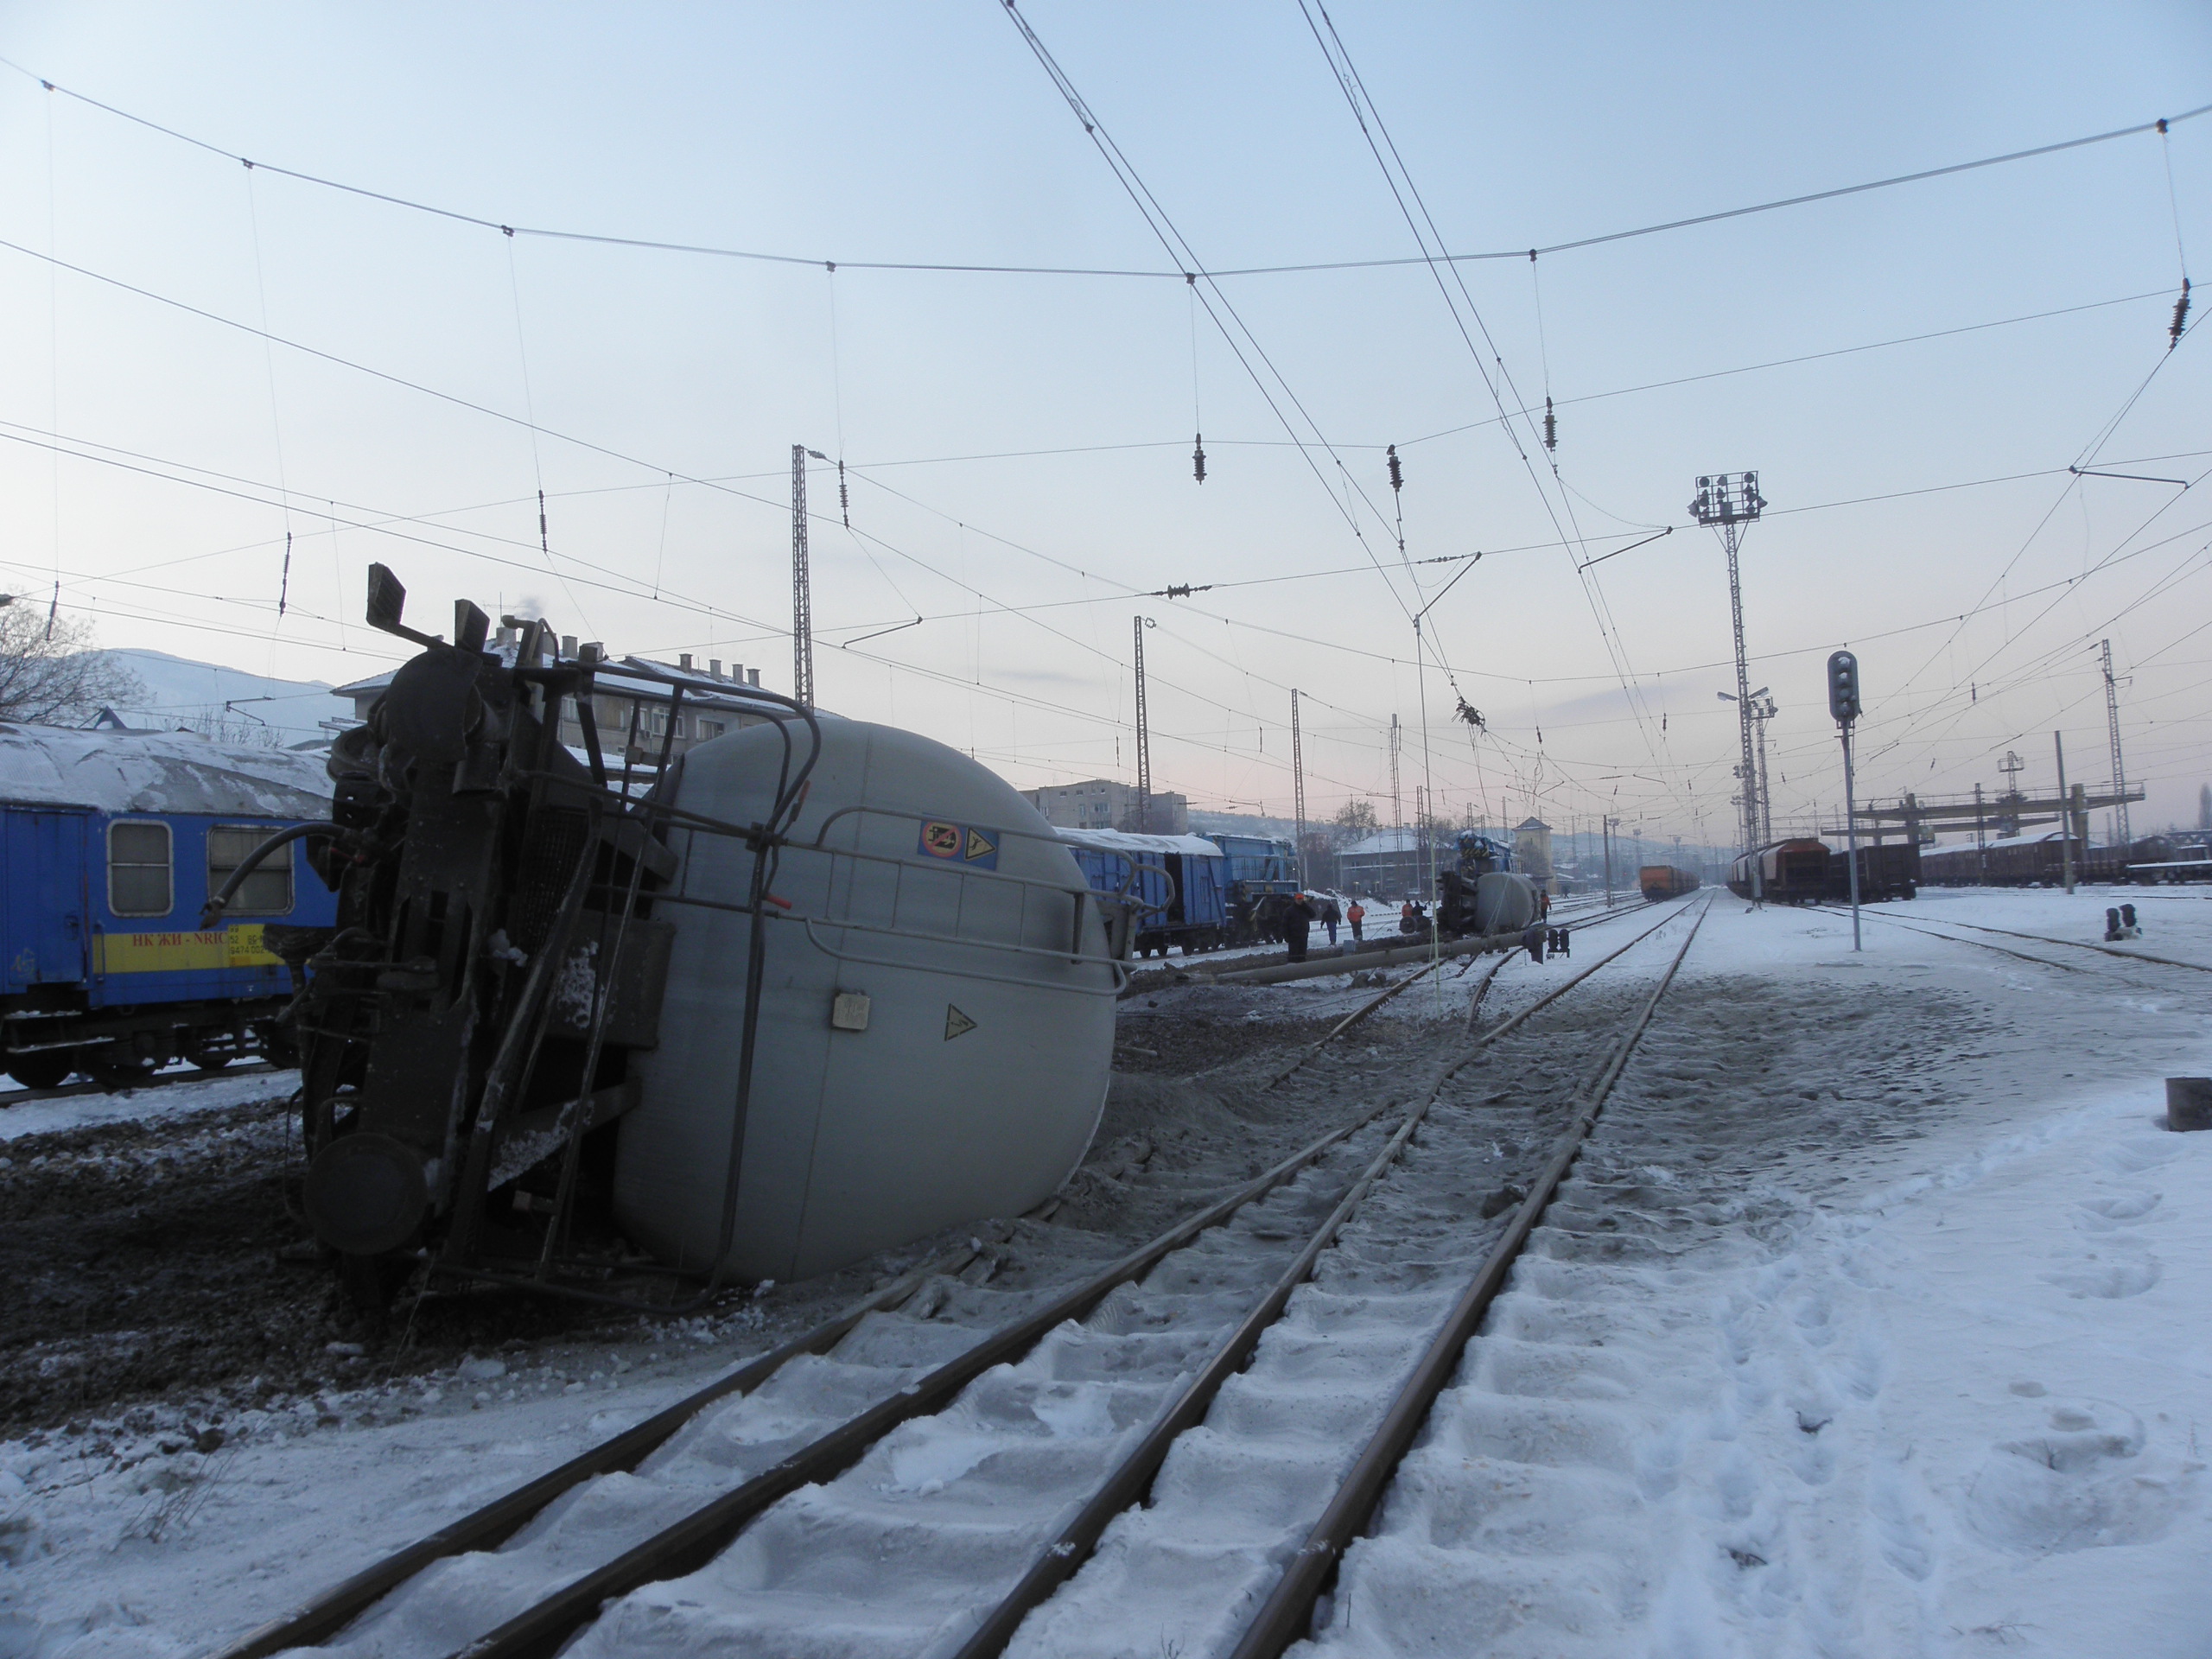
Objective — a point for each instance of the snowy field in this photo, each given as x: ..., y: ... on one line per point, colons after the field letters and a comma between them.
x: 1872, y: 1322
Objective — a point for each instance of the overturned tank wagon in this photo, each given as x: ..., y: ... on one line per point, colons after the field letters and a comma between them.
x: 1482, y: 892
x: 600, y: 1021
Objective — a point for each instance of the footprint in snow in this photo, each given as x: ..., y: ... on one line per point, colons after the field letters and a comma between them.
x: 2081, y: 1475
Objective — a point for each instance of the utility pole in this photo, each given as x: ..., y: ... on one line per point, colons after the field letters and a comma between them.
x: 802, y: 585
x: 1610, y: 825
x: 1298, y: 791
x: 2065, y: 829
x: 1726, y: 502
x: 2119, y: 769
x: 1144, y: 742
x: 1980, y: 843
x: 1397, y: 807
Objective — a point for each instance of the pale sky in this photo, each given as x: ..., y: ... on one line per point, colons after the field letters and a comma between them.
x: 654, y: 394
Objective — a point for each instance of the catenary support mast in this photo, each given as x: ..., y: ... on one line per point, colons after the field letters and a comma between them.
x: 802, y: 588
x: 1728, y: 502
x: 1298, y: 791
x: 1144, y: 742
x: 2119, y: 767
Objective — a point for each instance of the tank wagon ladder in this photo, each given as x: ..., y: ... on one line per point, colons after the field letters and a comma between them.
x: 543, y: 1627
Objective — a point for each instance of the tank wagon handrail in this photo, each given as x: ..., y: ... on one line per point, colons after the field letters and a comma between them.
x: 911, y: 817
x: 1121, y: 969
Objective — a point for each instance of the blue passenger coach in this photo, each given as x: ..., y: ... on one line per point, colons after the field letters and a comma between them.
x: 109, y: 844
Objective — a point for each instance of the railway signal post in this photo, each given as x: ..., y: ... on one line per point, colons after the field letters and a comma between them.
x: 1843, y: 703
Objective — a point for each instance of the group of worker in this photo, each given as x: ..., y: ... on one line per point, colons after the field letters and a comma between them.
x: 1304, y: 909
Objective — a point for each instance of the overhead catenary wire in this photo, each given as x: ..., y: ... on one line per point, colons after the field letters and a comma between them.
x: 508, y: 227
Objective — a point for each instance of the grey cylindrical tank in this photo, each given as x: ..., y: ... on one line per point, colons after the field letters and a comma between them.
x: 936, y: 1016
x: 1504, y: 902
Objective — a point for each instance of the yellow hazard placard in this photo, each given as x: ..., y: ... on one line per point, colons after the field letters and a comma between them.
x: 959, y: 843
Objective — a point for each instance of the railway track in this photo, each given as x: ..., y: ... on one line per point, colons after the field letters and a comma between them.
x: 1935, y: 932
x: 2042, y: 938
x: 995, y: 1435
x: 159, y: 1080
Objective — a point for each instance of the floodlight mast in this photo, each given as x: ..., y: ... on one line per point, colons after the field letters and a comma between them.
x: 1726, y: 502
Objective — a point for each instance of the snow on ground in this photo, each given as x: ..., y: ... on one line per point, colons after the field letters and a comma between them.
x: 1939, y: 1385
x: 173, y: 1100
x: 1872, y: 1323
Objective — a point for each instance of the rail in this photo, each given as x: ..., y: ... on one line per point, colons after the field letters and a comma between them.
x: 542, y: 1629
x: 1287, y: 1613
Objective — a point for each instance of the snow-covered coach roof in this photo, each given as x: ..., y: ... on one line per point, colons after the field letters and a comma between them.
x: 158, y: 771
x: 1123, y: 840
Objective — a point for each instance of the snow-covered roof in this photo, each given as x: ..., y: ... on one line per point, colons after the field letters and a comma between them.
x: 1532, y: 823
x: 1383, y: 842
x: 1123, y: 840
x: 158, y: 771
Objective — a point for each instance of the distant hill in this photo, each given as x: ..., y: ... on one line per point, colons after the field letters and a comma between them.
x: 228, y: 702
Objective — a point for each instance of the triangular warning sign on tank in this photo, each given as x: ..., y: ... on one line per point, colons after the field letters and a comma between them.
x: 955, y: 1023
x: 980, y: 847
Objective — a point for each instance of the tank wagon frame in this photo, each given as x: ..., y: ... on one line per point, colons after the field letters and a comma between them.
x: 539, y: 1032
x: 101, y: 968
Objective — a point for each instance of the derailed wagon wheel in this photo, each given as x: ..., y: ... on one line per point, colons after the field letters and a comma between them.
x: 45, y: 1068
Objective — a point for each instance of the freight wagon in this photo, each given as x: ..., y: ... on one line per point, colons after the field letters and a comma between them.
x: 109, y: 844
x: 1663, y: 882
x: 1787, y: 872
x: 1263, y: 878
x: 1181, y: 883
x: 1889, y: 871
x: 2032, y: 860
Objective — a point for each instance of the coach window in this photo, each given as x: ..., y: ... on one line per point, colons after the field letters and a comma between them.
x: 267, y: 891
x: 138, y: 868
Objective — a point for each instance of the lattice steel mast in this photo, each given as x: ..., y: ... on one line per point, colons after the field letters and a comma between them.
x: 1144, y: 742
x: 802, y: 585
x: 2111, y: 722
x: 1728, y: 502
x: 1298, y: 788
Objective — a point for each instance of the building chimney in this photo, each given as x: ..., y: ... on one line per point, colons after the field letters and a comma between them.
x: 714, y: 666
x: 684, y: 662
x: 594, y: 651
x: 568, y: 646
x: 753, y: 676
